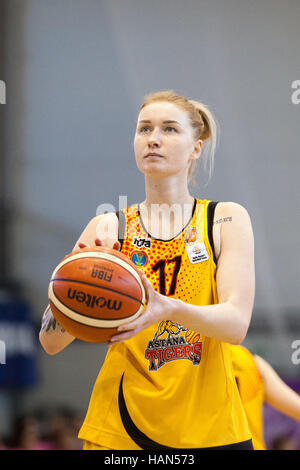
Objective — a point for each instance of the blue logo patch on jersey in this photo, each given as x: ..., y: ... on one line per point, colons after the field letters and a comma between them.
x: 139, y: 258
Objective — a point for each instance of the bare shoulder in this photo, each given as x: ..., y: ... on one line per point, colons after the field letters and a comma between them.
x: 228, y: 218
x: 103, y: 223
x: 103, y: 226
x: 110, y: 217
x: 106, y: 226
x: 229, y: 210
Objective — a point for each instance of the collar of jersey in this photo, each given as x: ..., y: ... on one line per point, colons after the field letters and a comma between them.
x: 160, y: 239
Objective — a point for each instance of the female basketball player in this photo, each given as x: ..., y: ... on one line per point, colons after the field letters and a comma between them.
x: 167, y: 381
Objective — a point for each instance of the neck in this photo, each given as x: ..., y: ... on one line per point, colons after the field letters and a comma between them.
x: 168, y: 191
x: 167, y: 208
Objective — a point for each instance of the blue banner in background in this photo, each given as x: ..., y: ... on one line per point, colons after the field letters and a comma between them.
x: 18, y: 365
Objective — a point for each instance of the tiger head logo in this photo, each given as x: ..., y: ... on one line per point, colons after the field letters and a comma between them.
x: 172, y: 342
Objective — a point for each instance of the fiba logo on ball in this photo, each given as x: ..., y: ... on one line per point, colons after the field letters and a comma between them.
x: 139, y: 258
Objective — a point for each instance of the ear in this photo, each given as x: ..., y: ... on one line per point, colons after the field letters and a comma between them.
x: 197, y: 150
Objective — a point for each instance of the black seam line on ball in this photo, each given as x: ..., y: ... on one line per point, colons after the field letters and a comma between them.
x: 83, y: 315
x: 98, y: 287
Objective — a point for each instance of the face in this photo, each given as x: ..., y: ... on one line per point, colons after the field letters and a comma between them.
x: 164, y: 144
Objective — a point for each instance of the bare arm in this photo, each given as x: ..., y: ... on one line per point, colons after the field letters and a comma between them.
x: 228, y: 320
x: 276, y: 392
x: 52, y: 336
x: 235, y: 279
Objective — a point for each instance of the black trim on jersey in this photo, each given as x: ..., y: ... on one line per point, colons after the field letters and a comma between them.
x: 145, y: 443
x: 136, y: 435
x: 122, y: 226
x: 210, y: 220
x: 159, y: 239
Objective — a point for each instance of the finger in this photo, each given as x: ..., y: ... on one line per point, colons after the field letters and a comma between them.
x: 121, y: 337
x: 147, y: 284
x: 82, y: 245
x: 117, y: 245
x: 145, y: 279
x: 133, y: 325
x: 98, y: 242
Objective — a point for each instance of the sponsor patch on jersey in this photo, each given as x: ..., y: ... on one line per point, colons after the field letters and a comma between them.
x: 197, y: 253
x: 191, y: 235
x: 142, y: 242
x: 173, y: 342
x: 139, y: 258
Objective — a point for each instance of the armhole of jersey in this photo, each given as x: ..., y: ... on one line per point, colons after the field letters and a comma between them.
x: 210, y: 220
x: 122, y: 225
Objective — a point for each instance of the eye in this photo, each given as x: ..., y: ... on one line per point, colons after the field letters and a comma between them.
x: 144, y: 129
x: 171, y: 129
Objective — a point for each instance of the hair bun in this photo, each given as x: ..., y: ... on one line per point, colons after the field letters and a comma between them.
x: 206, y: 132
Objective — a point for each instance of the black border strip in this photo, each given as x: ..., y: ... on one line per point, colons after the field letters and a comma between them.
x: 121, y: 227
x: 210, y: 220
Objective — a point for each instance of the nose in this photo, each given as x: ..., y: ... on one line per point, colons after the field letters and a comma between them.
x: 154, y: 138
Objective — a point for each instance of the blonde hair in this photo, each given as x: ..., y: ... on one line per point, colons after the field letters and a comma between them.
x: 202, y: 121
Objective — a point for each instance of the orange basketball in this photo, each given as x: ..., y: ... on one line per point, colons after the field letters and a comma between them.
x: 93, y: 291
x: 192, y: 337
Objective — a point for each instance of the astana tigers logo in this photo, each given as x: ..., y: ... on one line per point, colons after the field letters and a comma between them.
x: 173, y: 342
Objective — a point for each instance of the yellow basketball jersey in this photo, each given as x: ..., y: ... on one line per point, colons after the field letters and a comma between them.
x: 169, y: 387
x: 251, y: 389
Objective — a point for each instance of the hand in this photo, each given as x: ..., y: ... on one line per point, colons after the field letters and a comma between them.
x: 98, y: 242
x: 159, y: 307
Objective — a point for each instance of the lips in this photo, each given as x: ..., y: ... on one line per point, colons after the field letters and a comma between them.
x: 153, y: 155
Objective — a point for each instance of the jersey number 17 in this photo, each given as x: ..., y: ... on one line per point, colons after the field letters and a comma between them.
x: 161, y: 267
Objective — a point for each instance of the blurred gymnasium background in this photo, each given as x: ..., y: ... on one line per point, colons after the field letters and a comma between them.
x: 73, y: 74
